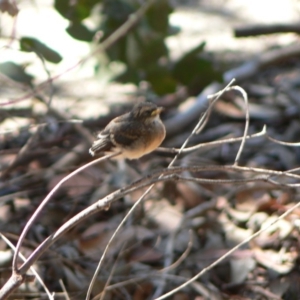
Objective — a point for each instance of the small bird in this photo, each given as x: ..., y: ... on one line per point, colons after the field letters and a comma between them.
x: 134, y: 134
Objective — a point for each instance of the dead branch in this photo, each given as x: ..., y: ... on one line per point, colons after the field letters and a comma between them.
x: 250, y: 68
x: 259, y: 29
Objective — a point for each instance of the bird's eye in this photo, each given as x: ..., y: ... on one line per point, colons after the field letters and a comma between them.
x: 147, y: 113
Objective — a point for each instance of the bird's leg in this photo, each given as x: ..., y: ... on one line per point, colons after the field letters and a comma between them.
x: 123, y: 177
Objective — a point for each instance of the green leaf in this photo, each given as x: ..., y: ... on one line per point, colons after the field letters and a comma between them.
x: 195, y: 70
x: 29, y: 44
x: 188, y: 57
x: 75, y: 11
x: 158, y: 16
x: 129, y: 75
x: 80, y: 32
x: 161, y: 80
x: 15, y: 72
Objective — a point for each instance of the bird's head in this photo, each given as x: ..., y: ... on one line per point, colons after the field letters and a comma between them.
x: 146, y: 111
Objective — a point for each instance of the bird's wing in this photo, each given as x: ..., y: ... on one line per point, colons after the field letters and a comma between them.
x: 127, y: 137
x: 103, y: 142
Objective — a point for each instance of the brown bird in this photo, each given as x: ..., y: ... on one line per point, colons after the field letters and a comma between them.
x: 134, y: 134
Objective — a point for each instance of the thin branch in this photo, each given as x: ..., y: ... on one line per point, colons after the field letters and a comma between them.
x: 201, y: 122
x: 211, y: 266
x: 63, y: 287
x: 210, y: 144
x: 183, y: 256
x: 169, y: 174
x: 49, y: 78
x: 112, y: 238
x: 109, y: 279
x: 188, y: 116
x: 282, y: 143
x: 250, y: 68
x: 45, y: 201
x: 259, y: 29
x: 245, y: 97
x: 40, y: 280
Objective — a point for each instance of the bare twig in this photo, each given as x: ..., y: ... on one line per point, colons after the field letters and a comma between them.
x: 46, y: 200
x: 40, y: 280
x: 110, y: 275
x: 212, y: 144
x: 282, y: 143
x: 250, y: 68
x: 202, y: 121
x: 245, y: 97
x: 259, y: 29
x: 23, y: 152
x: 63, y: 287
x: 245, y: 241
x: 183, y: 256
x: 187, y: 117
x: 168, y: 174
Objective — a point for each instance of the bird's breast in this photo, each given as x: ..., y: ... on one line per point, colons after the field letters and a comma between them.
x: 157, y: 134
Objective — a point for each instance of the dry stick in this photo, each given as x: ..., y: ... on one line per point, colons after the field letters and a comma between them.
x: 188, y: 116
x: 205, y: 270
x: 282, y: 143
x: 46, y: 200
x: 121, y: 31
x: 198, y: 128
x: 22, y: 127
x: 40, y: 280
x: 153, y: 179
x: 63, y: 115
x: 110, y: 277
x: 285, y: 174
x: 168, y: 265
x: 143, y: 277
x: 250, y: 68
x: 62, y: 162
x: 111, y: 239
x: 214, y: 143
x: 290, y: 170
x: 262, y: 290
x: 16, y: 279
x: 24, y: 150
x: 201, y: 121
x: 183, y: 256
x: 168, y: 261
x: 48, y: 76
x: 114, y: 37
x: 63, y: 287
x: 245, y: 97
x: 235, y: 164
x: 177, y: 263
x: 144, y: 182
x: 259, y: 29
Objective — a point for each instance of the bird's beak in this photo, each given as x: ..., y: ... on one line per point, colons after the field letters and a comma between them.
x: 158, y: 111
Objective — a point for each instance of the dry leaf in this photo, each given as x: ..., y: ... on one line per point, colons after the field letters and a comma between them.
x: 280, y: 262
x: 167, y: 216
